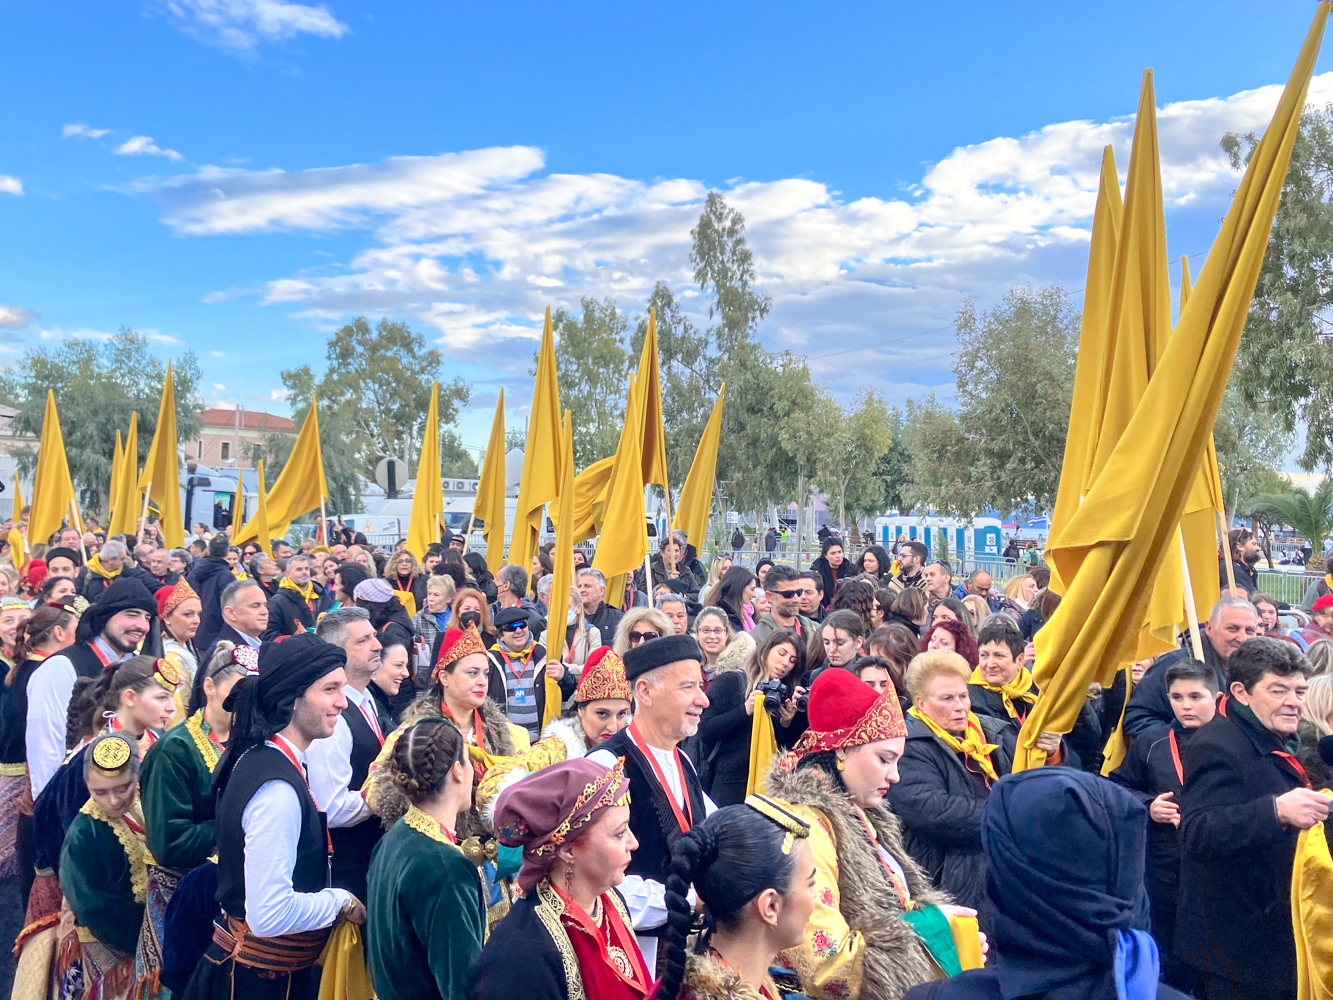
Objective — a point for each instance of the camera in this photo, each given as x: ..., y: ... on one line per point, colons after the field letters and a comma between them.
x: 775, y: 693
x: 803, y: 701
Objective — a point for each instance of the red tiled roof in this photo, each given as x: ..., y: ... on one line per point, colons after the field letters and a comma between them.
x: 253, y: 420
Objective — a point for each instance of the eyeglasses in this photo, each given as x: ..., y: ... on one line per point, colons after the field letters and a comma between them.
x: 710, y: 631
x: 637, y: 637
x: 787, y: 595
x: 514, y: 627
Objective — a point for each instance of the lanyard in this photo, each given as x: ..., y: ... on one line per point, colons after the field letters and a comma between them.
x: 894, y: 880
x: 1305, y: 778
x: 525, y: 656
x: 448, y: 834
x: 289, y: 752
x: 477, y: 735
x: 1175, y: 758
x: 97, y: 650
x: 371, y: 717
x: 637, y: 975
x: 686, y: 818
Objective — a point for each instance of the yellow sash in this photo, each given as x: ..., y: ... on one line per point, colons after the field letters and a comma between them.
x: 974, y: 745
x: 763, y: 747
x: 1019, y: 687
x: 1312, y: 912
x: 307, y: 593
x: 95, y: 566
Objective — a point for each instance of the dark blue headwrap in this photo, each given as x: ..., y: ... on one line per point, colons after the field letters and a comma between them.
x: 1065, y: 855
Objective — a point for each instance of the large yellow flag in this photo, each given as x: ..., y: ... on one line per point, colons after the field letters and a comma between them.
x: 117, y: 460
x: 18, y: 549
x: 160, y: 480
x: 490, y: 503
x: 696, y: 499
x: 590, y: 491
x: 428, y: 493
x: 624, y: 537
x: 1128, y: 523
x: 562, y: 562
x: 1198, y: 525
x: 52, y: 487
x: 649, y: 383
x: 238, y: 501
x: 300, y: 487
x: 1093, y: 340
x: 541, y: 456
x: 125, y: 505
x: 263, y: 534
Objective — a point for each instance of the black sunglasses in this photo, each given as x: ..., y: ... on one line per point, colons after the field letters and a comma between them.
x: 642, y: 636
x: 513, y: 626
x: 787, y: 595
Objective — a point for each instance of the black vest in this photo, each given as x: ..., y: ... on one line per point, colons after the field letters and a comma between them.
x: 650, y: 814
x: 256, y: 766
x: 14, y: 715
x: 86, y: 661
x: 352, y: 845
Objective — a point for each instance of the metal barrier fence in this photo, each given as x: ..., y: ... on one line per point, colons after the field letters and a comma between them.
x: 1001, y: 570
x: 1289, y: 588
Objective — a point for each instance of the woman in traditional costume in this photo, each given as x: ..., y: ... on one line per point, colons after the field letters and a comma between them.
x: 104, y: 876
x: 752, y: 867
x: 879, y: 926
x: 570, y: 933
x: 179, y: 610
x: 178, y: 801
x: 426, y: 915
x: 601, y: 709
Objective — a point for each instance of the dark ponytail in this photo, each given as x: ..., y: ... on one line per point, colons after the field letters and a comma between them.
x: 35, y: 631
x: 730, y: 858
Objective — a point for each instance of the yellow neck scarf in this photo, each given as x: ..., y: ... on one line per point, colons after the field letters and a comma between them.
x: 308, y: 593
x: 1018, y: 688
x: 95, y: 566
x: 974, y: 744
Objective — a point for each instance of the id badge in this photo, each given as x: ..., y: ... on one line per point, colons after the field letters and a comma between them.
x: 520, y: 697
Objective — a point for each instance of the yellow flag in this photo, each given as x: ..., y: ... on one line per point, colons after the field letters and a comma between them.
x: 238, y: 501
x: 490, y: 503
x: 590, y: 490
x: 428, y: 493
x: 260, y: 520
x: 300, y: 487
x: 1127, y: 524
x: 649, y: 383
x: 52, y: 487
x: 18, y: 550
x: 161, y: 472
x: 116, y: 461
x: 562, y: 562
x: 541, y: 456
x: 763, y: 748
x: 696, y: 499
x: 126, y: 505
x: 1093, y: 340
x: 624, y: 537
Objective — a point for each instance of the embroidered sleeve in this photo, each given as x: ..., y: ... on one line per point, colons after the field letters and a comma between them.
x: 828, y: 961
x: 543, y: 754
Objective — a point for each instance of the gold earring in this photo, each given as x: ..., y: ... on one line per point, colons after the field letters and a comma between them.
x: 842, y: 764
x: 569, y: 875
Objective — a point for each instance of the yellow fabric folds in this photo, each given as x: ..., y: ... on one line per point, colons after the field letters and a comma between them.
x: 52, y: 487
x: 562, y: 563
x: 160, y: 479
x: 967, y: 941
x: 1312, y: 912
x: 300, y: 488
x: 624, y: 535
x: 18, y: 551
x: 977, y: 749
x: 489, y: 506
x: 344, y: 963
x: 541, y: 455
x: 423, y: 527
x: 654, y: 462
x: 1019, y: 687
x: 696, y: 499
x: 763, y: 748
x: 1115, y: 746
x: 125, y: 505
x: 262, y: 533
x: 590, y: 492
x: 1114, y: 543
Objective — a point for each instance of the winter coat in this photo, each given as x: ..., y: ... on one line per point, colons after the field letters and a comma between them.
x: 831, y: 576
x: 1234, y: 909
x: 1149, y: 704
x: 209, y: 577
x: 733, y: 616
x: 767, y: 625
x: 708, y: 979
x: 1149, y: 770
x: 1081, y: 748
x: 1246, y: 578
x: 724, y: 737
x: 288, y: 614
x: 939, y: 797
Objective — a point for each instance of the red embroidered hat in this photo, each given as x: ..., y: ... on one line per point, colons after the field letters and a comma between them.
x: 457, y: 644
x: 170, y: 598
x: 603, y: 677
x: 845, y: 712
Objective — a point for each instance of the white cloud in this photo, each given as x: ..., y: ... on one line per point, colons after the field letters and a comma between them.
x: 217, y: 354
x: 240, y: 25
x: 219, y: 386
x: 280, y: 395
x: 10, y: 185
x: 143, y: 145
x: 83, y: 131
x: 154, y: 336
x: 83, y: 333
x: 16, y: 317
x: 477, y: 243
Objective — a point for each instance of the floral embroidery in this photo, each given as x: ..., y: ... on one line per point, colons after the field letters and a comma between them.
x: 826, y: 896
x: 822, y: 945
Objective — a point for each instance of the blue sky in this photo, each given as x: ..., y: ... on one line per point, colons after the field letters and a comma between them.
x: 240, y: 176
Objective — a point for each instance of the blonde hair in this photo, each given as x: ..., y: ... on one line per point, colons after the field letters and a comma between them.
x: 441, y: 583
x: 977, y: 608
x: 635, y: 617
x: 1319, y: 703
x: 925, y: 667
x: 715, y: 571
x: 1013, y: 588
x: 1320, y: 655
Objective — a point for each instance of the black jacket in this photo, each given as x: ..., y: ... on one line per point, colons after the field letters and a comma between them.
x: 733, y: 616
x: 606, y: 619
x: 1149, y: 770
x: 1246, y: 578
x: 831, y: 576
x: 724, y: 738
x: 287, y: 613
x: 939, y: 797
x: 1081, y: 748
x: 209, y: 577
x: 1149, y: 704
x: 1234, y: 915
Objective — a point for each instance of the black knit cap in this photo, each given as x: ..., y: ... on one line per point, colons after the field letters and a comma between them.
x: 73, y: 555
x: 121, y: 594
x: 659, y: 652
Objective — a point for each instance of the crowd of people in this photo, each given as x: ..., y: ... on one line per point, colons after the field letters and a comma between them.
x: 225, y: 773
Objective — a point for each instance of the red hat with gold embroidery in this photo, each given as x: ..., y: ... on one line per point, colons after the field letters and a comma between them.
x: 603, y: 677
x: 170, y: 598
x: 457, y: 644
x: 844, y: 712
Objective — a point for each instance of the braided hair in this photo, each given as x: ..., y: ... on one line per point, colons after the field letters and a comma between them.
x: 421, y: 760
x: 729, y: 858
x: 94, y: 696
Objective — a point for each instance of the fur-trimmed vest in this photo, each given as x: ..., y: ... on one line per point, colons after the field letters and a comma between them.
x: 708, y: 979
x: 893, y: 959
x: 562, y: 739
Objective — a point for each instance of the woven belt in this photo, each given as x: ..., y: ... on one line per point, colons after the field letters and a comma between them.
x: 289, y: 953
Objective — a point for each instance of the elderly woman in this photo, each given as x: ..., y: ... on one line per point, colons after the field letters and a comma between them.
x: 723, y: 647
x: 951, y: 759
x: 403, y: 573
x: 639, y: 625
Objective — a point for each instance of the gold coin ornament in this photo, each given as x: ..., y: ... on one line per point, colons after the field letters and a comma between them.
x: 112, y: 754
x: 168, y: 674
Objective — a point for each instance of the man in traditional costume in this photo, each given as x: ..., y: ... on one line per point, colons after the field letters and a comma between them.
x: 667, y: 681
x: 273, y: 842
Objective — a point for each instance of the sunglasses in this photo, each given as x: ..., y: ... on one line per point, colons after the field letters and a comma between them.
x: 514, y: 627
x: 787, y: 595
x: 637, y: 637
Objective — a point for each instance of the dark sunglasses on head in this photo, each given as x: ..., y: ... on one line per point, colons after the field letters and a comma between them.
x: 787, y: 595
x: 513, y: 626
x: 642, y: 636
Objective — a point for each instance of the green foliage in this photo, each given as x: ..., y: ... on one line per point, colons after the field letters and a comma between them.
x: 1284, y: 366
x: 892, y: 470
x: 1251, y: 444
x: 97, y: 386
x: 1004, y: 445
x: 593, y: 366
x: 373, y: 400
x: 847, y: 460
x: 1308, y: 514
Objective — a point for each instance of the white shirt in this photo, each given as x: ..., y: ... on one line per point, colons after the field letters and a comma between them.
x: 49, y: 691
x: 329, y: 762
x: 272, y: 825
x: 645, y: 898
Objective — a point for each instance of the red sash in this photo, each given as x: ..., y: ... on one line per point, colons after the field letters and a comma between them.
x: 615, y: 934
x: 523, y: 662
x: 686, y: 818
x: 1305, y: 778
x: 373, y: 720
x: 289, y: 752
x: 1175, y: 758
